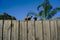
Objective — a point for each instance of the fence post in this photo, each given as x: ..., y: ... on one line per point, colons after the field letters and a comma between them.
x: 34, y: 30
x: 57, y: 29
x: 19, y: 31
x: 50, y: 29
x: 27, y: 29
x: 11, y: 30
x: 42, y: 30
x: 2, y: 28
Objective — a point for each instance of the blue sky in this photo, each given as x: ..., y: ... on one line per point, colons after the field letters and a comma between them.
x: 20, y: 8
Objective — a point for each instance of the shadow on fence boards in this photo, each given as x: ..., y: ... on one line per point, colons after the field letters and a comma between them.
x: 29, y: 30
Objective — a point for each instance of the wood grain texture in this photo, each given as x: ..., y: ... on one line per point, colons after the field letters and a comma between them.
x: 6, y: 29
x: 0, y: 29
x: 38, y: 26
x: 58, y: 29
x: 46, y: 29
x: 23, y: 30
x: 53, y: 30
x: 30, y: 30
x: 15, y: 30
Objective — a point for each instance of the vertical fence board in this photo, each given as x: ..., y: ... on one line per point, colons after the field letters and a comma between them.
x: 24, y: 31
x: 46, y: 29
x: 6, y: 28
x: 53, y: 30
x: 58, y: 29
x: 19, y: 30
x: 11, y: 30
x: 0, y: 29
x: 21, y: 34
x: 31, y: 30
x: 22, y: 25
x: 39, y: 34
x: 14, y: 30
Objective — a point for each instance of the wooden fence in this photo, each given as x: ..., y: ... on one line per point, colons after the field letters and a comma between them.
x: 29, y: 30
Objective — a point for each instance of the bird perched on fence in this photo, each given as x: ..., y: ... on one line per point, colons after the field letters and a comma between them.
x: 35, y: 18
x: 28, y: 18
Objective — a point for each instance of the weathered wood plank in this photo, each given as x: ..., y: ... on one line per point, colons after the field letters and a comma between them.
x: 46, y: 29
x: 31, y: 30
x: 10, y: 32
x: 39, y: 33
x: 21, y: 35
x: 53, y: 30
x: 58, y: 29
x: 19, y: 30
x: 6, y: 28
x: 14, y: 30
x: 1, y: 29
x: 24, y: 30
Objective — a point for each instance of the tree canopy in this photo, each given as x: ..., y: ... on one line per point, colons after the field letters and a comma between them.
x: 48, y: 11
x: 5, y: 16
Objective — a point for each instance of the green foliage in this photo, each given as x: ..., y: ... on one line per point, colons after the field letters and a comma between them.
x: 48, y: 12
x: 52, y: 13
x: 5, y: 16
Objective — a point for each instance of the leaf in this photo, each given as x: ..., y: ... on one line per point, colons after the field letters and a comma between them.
x: 41, y: 13
x: 52, y: 13
x: 57, y: 8
x: 49, y: 7
x: 39, y: 6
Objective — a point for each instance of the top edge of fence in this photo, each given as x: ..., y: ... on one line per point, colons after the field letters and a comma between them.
x: 33, y: 20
